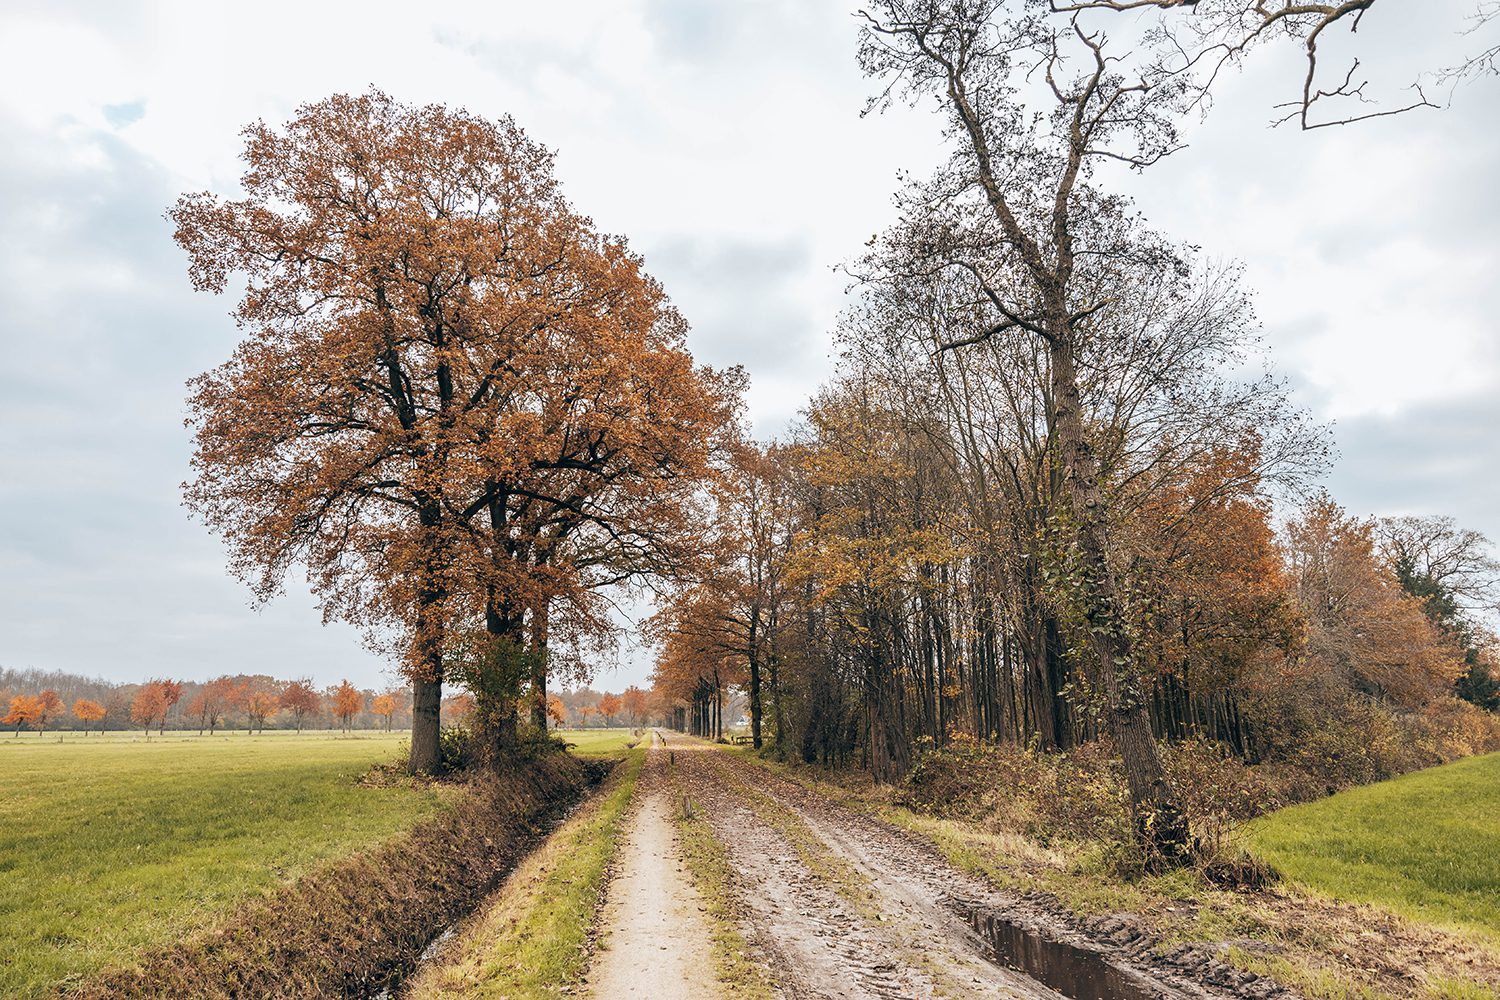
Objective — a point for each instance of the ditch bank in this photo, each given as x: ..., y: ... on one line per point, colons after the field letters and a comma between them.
x: 358, y: 926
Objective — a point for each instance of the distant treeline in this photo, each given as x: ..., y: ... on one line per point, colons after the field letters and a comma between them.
x: 585, y: 708
x: 43, y: 700
x: 50, y: 700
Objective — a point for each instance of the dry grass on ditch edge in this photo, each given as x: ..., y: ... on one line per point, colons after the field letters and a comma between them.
x: 356, y: 925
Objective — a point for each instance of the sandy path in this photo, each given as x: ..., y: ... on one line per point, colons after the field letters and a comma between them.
x: 819, y: 942
x: 655, y: 943
x: 904, y: 930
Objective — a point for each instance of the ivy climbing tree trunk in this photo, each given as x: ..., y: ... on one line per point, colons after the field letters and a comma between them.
x: 1160, y: 822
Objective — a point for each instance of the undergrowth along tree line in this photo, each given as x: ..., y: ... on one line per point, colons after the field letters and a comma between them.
x: 1034, y: 505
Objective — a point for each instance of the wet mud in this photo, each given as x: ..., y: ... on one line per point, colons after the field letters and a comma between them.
x: 889, y: 917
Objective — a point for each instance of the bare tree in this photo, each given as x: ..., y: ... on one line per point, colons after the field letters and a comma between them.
x: 1453, y: 569
x: 1485, y: 61
x: 1036, y: 97
x: 1056, y: 251
x: 1192, y: 42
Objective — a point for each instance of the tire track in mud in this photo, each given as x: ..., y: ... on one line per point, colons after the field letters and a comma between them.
x: 815, y: 945
x: 921, y: 941
x: 828, y: 928
x: 912, y: 871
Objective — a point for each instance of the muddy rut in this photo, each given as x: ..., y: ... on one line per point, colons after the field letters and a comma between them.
x: 842, y: 905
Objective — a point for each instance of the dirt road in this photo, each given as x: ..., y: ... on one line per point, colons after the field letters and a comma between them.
x: 842, y: 905
x: 655, y: 943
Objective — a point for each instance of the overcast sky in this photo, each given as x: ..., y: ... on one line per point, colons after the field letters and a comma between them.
x: 725, y: 141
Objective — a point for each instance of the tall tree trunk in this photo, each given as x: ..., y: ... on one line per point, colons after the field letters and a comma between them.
x: 1055, y: 671
x: 778, y: 720
x: 427, y: 677
x: 755, y: 709
x: 539, y: 621
x: 498, y: 714
x: 426, y: 706
x: 1159, y: 819
x: 499, y: 718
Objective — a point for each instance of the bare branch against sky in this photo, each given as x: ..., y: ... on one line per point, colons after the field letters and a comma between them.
x: 726, y: 141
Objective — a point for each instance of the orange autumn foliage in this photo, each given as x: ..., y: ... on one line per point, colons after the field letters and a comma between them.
x: 259, y: 705
x: 457, y: 403
x: 210, y: 702
x: 299, y: 698
x: 25, y: 710
x: 634, y: 702
x: 557, y: 711
x: 347, y: 703
x: 1361, y: 626
x: 384, y: 706
x: 1206, y: 566
x: 50, y: 706
x: 459, y: 707
x: 609, y: 707
x: 153, y: 701
x: 88, y: 712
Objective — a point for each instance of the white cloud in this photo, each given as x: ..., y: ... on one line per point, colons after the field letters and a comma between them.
x: 724, y: 140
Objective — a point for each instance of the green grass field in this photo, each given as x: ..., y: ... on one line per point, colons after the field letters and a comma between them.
x: 111, y: 845
x: 1426, y: 845
x: 598, y: 742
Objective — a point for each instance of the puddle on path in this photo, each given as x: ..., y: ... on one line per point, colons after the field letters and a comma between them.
x: 1073, y: 972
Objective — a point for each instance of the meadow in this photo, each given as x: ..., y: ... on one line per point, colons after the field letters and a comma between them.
x: 111, y: 845
x: 599, y: 742
x: 1426, y: 845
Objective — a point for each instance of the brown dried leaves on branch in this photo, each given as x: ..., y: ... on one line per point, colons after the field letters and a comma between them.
x: 453, y: 393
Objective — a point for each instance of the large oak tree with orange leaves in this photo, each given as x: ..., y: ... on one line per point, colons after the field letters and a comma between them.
x: 456, y: 404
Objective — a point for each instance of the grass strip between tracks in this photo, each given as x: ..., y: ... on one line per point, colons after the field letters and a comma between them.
x: 833, y: 870
x: 740, y: 976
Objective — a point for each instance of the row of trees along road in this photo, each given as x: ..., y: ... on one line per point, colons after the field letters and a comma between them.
x: 1032, y: 483
x: 460, y: 407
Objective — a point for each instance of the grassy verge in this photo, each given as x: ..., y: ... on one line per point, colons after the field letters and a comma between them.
x: 1426, y: 845
x: 356, y: 925
x: 110, y: 847
x: 739, y: 976
x: 532, y: 939
x: 1325, y: 950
